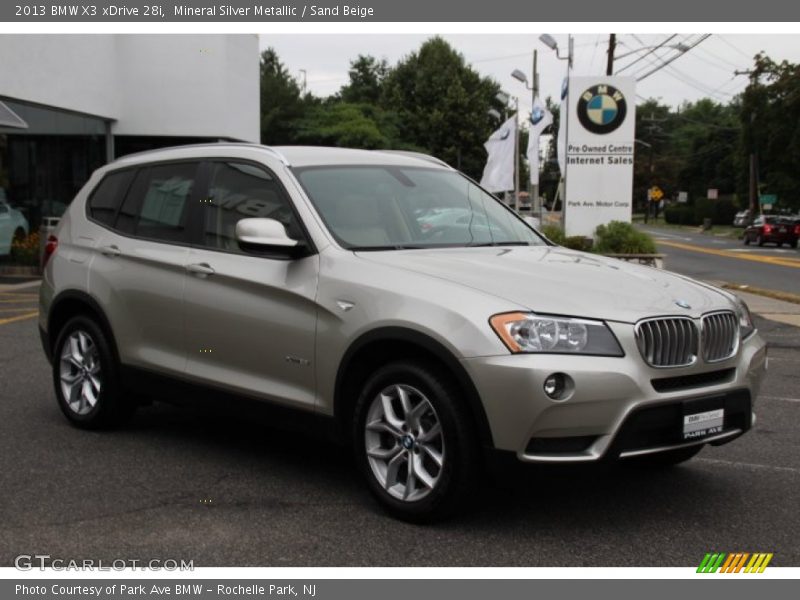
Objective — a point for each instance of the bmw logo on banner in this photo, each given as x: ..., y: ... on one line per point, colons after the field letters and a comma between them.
x: 602, y: 109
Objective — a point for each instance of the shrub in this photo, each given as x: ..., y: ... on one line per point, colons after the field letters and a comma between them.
x: 554, y: 233
x: 679, y: 215
x: 25, y: 251
x: 618, y: 237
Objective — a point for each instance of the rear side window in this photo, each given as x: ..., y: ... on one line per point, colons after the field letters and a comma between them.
x: 107, y: 197
x: 157, y: 206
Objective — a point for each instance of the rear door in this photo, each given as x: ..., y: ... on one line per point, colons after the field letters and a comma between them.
x: 250, y: 319
x: 138, y: 272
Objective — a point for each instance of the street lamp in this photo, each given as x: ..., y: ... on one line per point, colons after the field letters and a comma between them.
x: 549, y: 41
x: 520, y: 76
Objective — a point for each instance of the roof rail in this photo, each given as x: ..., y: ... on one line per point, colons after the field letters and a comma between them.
x: 269, y: 149
x: 419, y: 155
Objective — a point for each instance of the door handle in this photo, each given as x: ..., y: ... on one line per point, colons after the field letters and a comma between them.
x: 110, y: 251
x: 200, y: 269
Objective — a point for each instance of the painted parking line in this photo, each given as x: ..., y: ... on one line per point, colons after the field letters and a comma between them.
x: 779, y: 398
x: 8, y: 320
x: 782, y: 261
x: 744, y: 465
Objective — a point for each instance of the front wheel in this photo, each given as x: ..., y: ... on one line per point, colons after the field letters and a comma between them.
x: 760, y: 241
x: 414, y: 442
x: 746, y: 240
x: 85, y: 376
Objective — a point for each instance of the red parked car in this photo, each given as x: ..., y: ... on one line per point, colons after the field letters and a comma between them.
x: 768, y: 229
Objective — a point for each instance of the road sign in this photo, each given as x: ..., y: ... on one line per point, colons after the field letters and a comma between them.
x: 683, y: 197
x: 656, y: 193
x: 768, y: 199
x: 712, y: 194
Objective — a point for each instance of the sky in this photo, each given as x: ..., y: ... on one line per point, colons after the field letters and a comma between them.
x: 707, y: 70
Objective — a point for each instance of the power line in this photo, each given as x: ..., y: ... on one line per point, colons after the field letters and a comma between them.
x: 734, y: 47
x: 646, y: 54
x: 706, y: 50
x: 675, y: 73
x: 674, y: 58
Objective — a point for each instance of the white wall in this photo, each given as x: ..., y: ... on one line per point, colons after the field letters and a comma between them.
x: 170, y: 85
x: 76, y: 72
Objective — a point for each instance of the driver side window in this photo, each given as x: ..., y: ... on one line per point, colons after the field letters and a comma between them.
x: 238, y: 191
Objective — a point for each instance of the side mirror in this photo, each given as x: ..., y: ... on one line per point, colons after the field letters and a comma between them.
x: 265, y: 236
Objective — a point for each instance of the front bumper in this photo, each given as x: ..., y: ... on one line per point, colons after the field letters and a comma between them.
x: 619, y: 406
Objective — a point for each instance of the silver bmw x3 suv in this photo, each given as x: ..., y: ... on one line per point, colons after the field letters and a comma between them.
x: 395, y: 302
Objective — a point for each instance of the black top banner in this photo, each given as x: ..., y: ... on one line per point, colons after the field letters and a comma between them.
x: 87, y: 11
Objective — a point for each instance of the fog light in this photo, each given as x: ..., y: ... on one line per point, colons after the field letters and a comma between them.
x: 554, y: 385
x: 558, y: 386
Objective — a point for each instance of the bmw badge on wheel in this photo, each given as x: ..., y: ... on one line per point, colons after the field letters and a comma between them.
x: 602, y: 109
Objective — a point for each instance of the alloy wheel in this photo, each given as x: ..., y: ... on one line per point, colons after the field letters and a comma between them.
x: 404, y: 442
x: 80, y: 372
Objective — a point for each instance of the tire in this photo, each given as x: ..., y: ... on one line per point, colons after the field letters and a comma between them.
x: 794, y: 244
x: 760, y: 240
x: 91, y: 365
x: 746, y: 239
x: 435, y: 492
x: 667, y: 459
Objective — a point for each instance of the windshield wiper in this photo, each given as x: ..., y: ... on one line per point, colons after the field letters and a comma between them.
x: 484, y: 244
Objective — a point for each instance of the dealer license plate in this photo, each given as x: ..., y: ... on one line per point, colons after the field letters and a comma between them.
x: 704, y: 424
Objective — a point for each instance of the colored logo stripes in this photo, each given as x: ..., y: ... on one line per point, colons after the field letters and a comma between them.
x: 734, y: 562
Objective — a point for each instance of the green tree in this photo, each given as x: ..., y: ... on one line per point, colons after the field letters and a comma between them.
x: 442, y: 105
x: 345, y: 124
x: 281, y: 101
x: 770, y: 118
x: 366, y: 80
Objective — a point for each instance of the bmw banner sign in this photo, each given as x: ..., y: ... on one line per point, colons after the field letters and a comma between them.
x: 601, y: 128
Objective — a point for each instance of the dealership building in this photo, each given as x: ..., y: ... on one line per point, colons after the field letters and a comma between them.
x: 71, y: 103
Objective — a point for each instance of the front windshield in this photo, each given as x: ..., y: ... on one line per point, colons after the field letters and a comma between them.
x: 387, y: 207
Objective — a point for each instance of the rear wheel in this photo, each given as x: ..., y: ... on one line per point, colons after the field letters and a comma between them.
x: 665, y: 459
x: 86, y: 377
x: 794, y: 244
x: 760, y: 240
x: 746, y: 239
x: 414, y: 442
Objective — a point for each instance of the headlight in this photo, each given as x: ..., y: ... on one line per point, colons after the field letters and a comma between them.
x: 528, y: 332
x: 746, y: 326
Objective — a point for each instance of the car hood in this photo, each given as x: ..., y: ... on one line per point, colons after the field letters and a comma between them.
x: 554, y: 280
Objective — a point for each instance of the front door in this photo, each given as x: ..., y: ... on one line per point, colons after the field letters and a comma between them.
x: 250, y: 320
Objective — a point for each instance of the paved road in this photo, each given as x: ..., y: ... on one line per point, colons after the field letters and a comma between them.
x: 177, y: 484
x: 710, y: 257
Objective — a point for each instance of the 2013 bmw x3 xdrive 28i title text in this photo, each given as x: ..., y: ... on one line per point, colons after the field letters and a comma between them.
x: 393, y: 297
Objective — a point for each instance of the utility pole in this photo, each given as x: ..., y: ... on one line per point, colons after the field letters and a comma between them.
x: 752, y: 188
x: 516, y: 155
x: 534, y: 188
x: 612, y: 44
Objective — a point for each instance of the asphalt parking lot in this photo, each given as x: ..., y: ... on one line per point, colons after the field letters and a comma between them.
x: 178, y: 484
